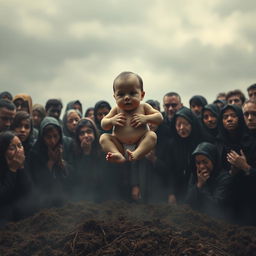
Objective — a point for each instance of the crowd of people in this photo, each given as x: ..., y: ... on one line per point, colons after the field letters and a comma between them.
x: 203, y: 155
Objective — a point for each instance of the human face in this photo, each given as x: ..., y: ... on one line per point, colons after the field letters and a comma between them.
x: 21, y: 105
x: 54, y: 112
x: 90, y: 114
x: 197, y: 109
x: 209, y: 119
x: 101, y: 112
x: 235, y: 100
x: 14, y: 147
x: 23, y: 129
x: 6, y: 118
x: 37, y: 118
x: 86, y: 134
x: 78, y: 107
x: 171, y: 105
x: 203, y: 163
x: 128, y: 94
x: 252, y: 94
x: 72, y: 121
x: 183, y: 127
x: 230, y: 120
x: 52, y: 138
x: 249, y: 111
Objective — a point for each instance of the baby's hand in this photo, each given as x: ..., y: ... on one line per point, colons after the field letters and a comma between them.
x: 119, y: 120
x: 138, y: 120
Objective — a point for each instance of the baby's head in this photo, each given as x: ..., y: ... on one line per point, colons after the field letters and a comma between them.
x: 128, y: 90
x: 126, y: 78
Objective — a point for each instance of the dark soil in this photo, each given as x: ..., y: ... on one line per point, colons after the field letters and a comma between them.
x: 120, y: 228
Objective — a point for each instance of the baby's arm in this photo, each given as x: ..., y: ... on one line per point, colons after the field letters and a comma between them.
x: 150, y: 115
x: 112, y: 118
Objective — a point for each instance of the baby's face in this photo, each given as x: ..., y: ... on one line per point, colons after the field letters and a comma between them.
x: 128, y: 94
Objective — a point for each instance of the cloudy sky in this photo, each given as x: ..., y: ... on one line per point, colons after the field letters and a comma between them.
x: 74, y: 49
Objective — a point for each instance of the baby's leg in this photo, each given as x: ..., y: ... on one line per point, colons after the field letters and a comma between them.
x: 146, y: 144
x: 112, y: 147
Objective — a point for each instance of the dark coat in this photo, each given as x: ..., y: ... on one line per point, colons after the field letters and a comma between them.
x: 49, y: 183
x: 214, y: 197
x: 178, y: 154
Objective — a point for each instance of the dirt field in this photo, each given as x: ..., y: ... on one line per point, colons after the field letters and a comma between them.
x: 120, y: 228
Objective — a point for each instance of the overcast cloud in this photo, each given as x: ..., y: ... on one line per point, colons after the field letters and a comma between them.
x: 74, y: 49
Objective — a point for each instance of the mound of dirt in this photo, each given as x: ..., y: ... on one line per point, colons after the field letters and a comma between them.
x: 120, y: 228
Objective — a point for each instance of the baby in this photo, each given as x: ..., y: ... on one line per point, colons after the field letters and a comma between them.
x: 131, y: 138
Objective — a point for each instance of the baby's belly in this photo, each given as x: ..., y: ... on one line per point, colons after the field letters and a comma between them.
x: 130, y: 135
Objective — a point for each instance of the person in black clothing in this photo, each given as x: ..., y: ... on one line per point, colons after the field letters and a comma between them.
x: 22, y: 126
x: 70, y: 121
x: 187, y: 135
x: 53, y: 108
x: 244, y: 170
x: 15, y: 184
x: 209, y: 186
x: 7, y: 114
x: 231, y: 130
x: 74, y: 104
x: 101, y: 109
x: 49, y: 163
x: 196, y: 104
x: 210, y: 122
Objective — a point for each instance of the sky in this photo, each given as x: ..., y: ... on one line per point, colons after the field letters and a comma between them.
x: 75, y: 49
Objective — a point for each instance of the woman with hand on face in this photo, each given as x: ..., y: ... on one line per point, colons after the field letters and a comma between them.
x: 209, y: 188
x: 15, y: 184
x: 49, y: 163
x: 88, y: 177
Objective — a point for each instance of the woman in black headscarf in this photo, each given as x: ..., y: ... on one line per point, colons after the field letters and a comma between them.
x: 209, y: 186
x: 187, y: 135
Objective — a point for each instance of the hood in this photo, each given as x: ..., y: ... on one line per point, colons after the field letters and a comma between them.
x: 224, y: 135
x: 71, y: 104
x: 24, y: 97
x: 100, y: 104
x: 40, y: 108
x: 192, y: 119
x: 211, y: 151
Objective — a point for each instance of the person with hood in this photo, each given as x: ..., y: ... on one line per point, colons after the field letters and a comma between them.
x: 244, y: 169
x: 6, y: 96
x: 197, y: 103
x: 209, y: 186
x: 231, y: 130
x: 70, y: 121
x: 89, y: 113
x: 23, y: 102
x: 15, y: 184
x: 210, y: 122
x: 38, y: 114
x: 101, y: 109
x: 23, y: 128
x: 90, y: 175
x: 74, y: 104
x: 187, y: 135
x: 49, y: 163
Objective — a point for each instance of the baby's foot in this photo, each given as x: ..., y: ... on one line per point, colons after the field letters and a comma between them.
x: 115, y: 157
x: 132, y: 156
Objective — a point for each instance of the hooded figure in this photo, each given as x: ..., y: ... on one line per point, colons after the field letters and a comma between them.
x: 23, y: 102
x: 184, y: 141
x: 210, y: 122
x: 70, y: 121
x: 74, y: 104
x: 209, y: 188
x: 231, y: 130
x: 101, y: 109
x: 15, y: 185
x: 38, y: 114
x: 48, y: 163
